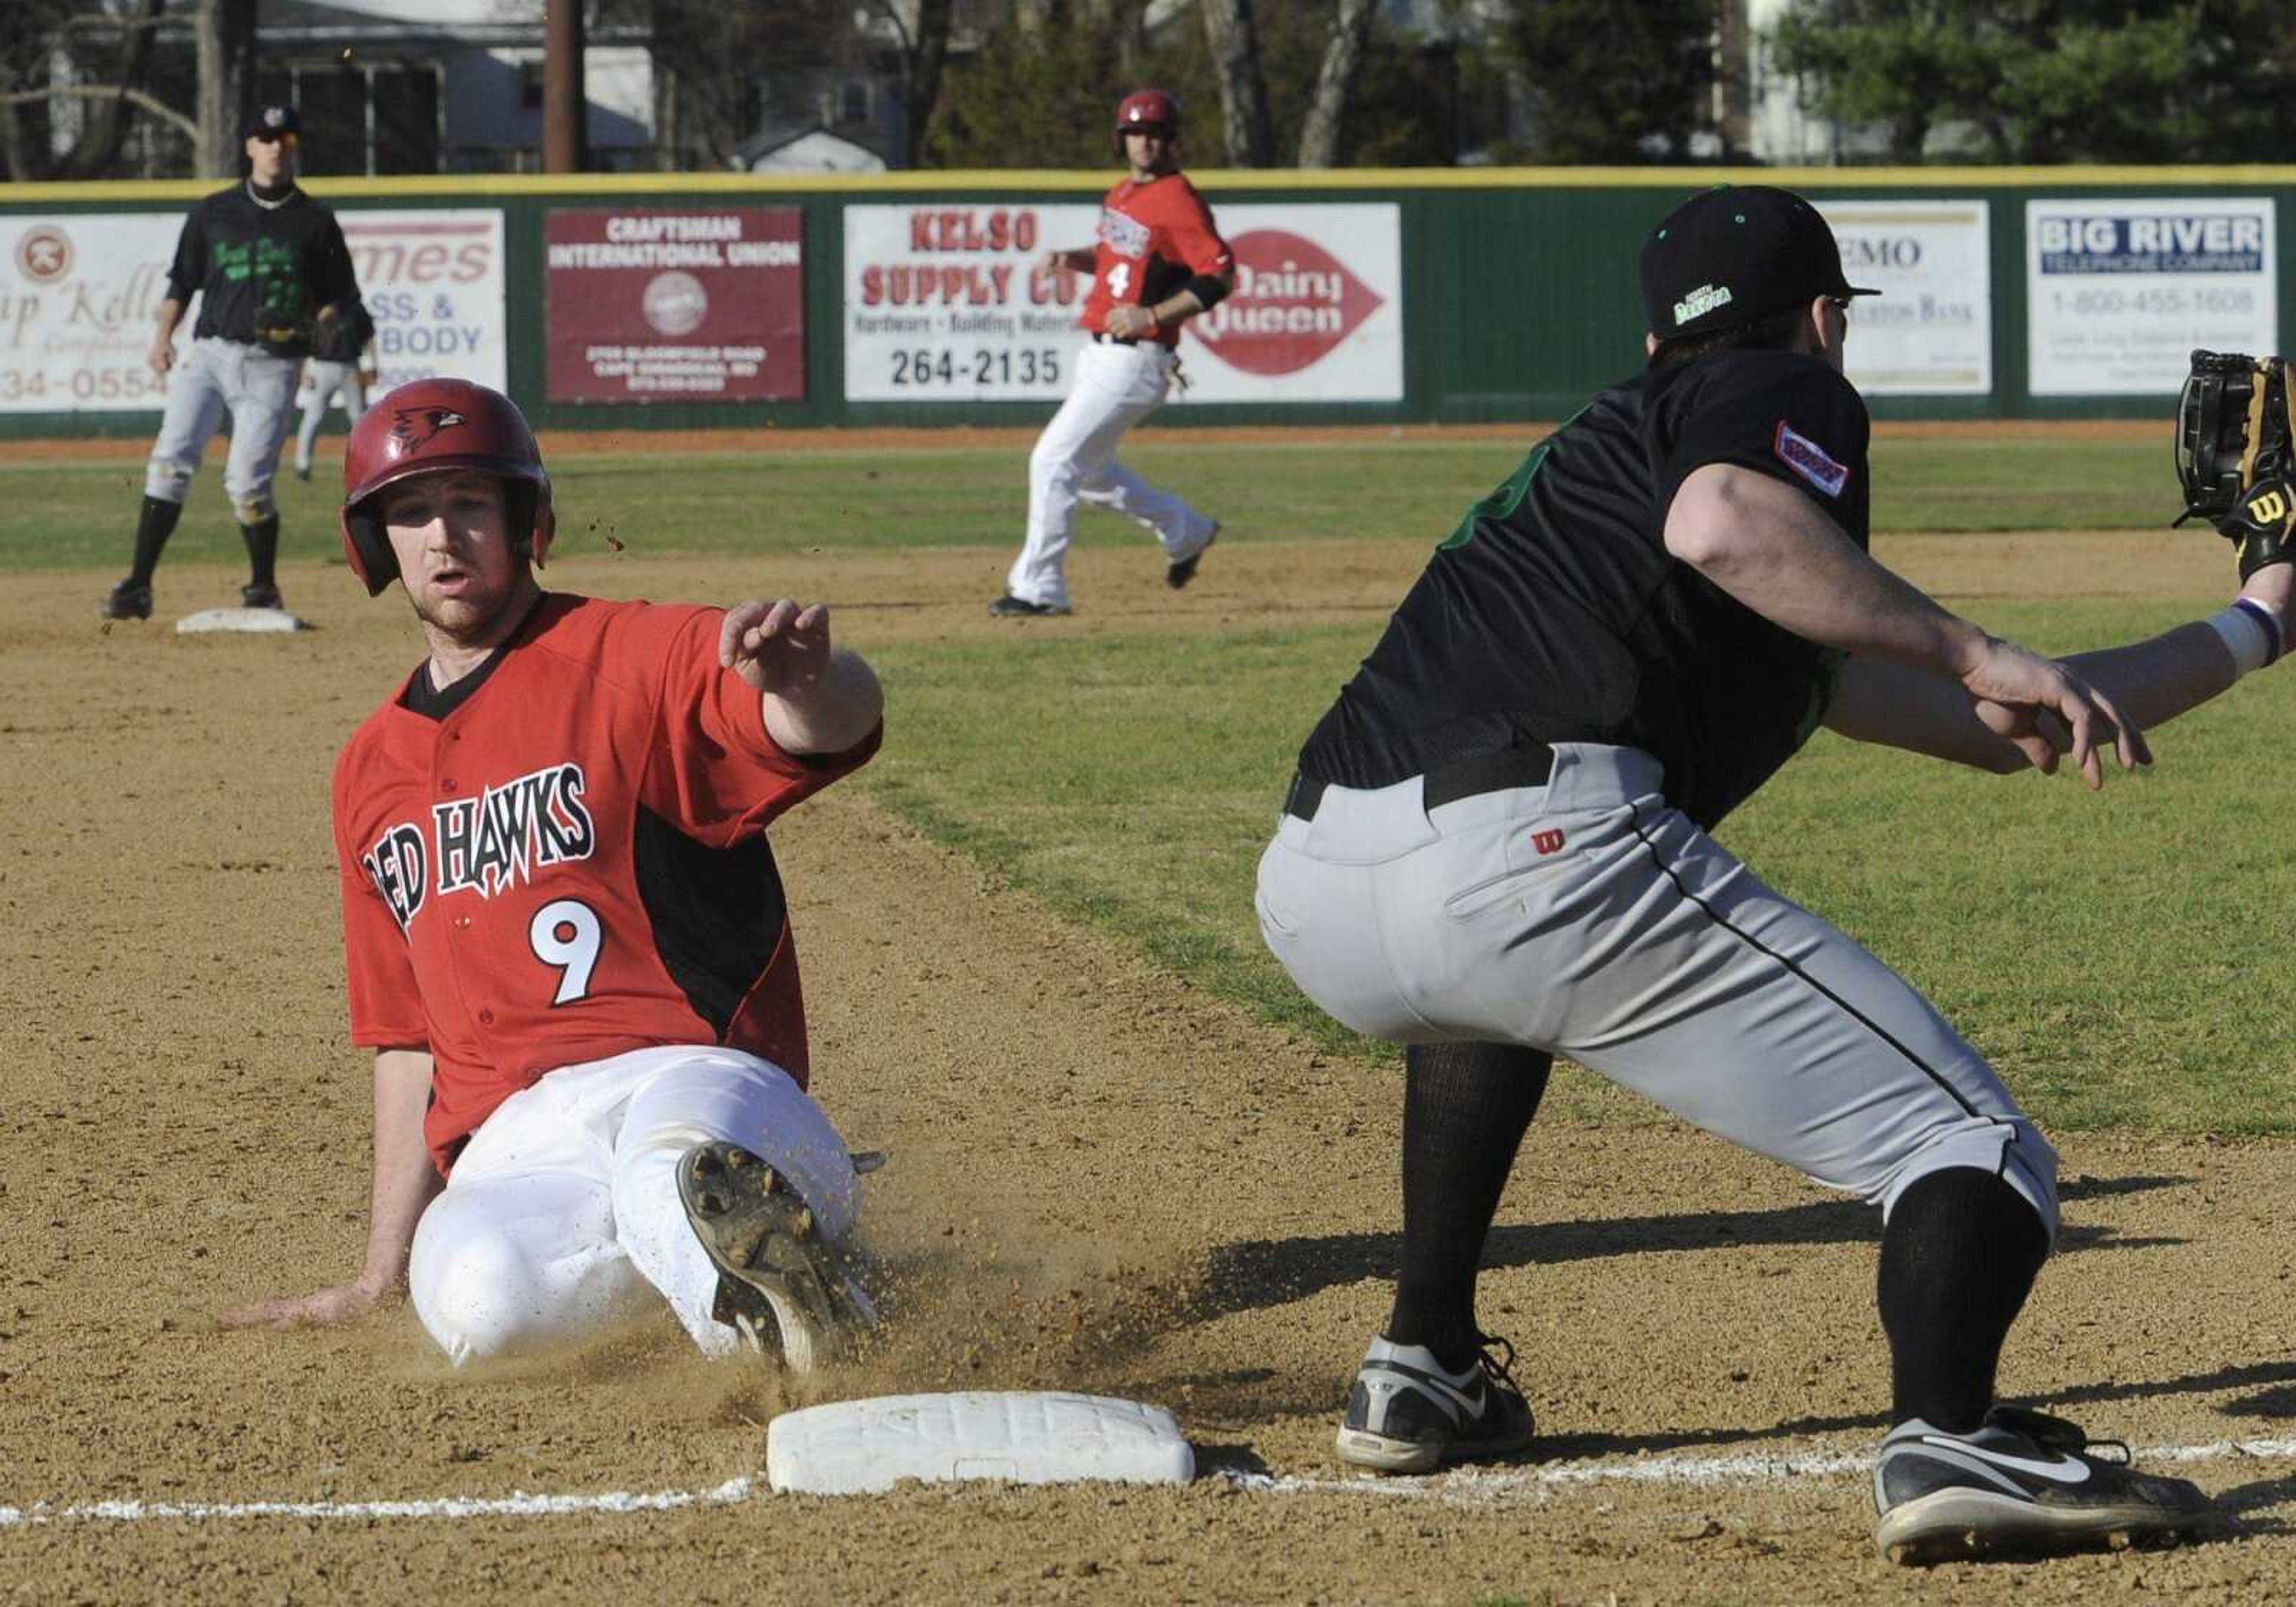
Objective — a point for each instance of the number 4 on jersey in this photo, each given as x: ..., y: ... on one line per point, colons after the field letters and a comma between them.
x: 1120, y: 279
x: 568, y: 934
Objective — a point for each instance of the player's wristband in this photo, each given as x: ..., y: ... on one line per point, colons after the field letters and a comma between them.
x: 2251, y: 634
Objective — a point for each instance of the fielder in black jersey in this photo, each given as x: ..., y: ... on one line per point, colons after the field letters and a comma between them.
x: 267, y: 266
x: 1495, y: 850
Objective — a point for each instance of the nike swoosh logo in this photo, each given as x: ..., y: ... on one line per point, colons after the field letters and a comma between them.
x: 2068, y: 1469
x: 1469, y: 1403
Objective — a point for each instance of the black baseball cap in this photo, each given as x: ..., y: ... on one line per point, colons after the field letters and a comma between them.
x: 270, y: 122
x: 1734, y: 254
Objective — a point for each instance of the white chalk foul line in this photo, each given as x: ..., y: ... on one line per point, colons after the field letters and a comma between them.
x: 1465, y: 1484
x: 517, y: 1504
x: 1486, y: 1484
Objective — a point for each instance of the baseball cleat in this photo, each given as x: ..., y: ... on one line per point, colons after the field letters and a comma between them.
x: 1010, y: 606
x: 2022, y: 1484
x: 130, y: 599
x: 256, y: 594
x: 1184, y: 570
x: 302, y: 470
x: 1406, y: 1414
x: 788, y: 1290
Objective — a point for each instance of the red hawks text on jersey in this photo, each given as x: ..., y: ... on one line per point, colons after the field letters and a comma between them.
x: 570, y: 861
x: 1153, y: 238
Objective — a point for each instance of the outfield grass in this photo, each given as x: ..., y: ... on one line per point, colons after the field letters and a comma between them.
x: 2118, y: 956
x: 83, y: 515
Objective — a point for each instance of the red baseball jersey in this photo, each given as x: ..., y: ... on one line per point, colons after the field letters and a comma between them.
x: 1154, y: 237
x: 563, y: 857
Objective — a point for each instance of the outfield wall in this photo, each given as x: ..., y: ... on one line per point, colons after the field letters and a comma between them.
x: 681, y: 301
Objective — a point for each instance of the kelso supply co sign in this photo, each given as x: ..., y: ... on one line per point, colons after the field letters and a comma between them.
x: 947, y: 304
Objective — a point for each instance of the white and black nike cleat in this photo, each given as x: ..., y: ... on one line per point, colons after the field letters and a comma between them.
x: 2023, y: 1484
x: 1406, y: 1414
x: 785, y: 1287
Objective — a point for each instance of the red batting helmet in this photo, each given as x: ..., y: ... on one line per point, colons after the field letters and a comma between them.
x: 436, y: 427
x: 1143, y: 110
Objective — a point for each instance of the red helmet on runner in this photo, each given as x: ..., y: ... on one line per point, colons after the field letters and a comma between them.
x: 1143, y: 110
x: 436, y: 427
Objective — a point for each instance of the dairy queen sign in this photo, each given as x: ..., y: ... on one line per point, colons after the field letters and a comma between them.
x: 943, y: 304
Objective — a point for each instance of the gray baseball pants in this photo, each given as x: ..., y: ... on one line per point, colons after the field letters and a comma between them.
x: 256, y: 389
x: 1588, y: 918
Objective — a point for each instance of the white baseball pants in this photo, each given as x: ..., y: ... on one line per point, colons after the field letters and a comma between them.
x: 1589, y: 918
x: 213, y: 378
x: 328, y: 381
x: 560, y: 1219
x: 1075, y: 461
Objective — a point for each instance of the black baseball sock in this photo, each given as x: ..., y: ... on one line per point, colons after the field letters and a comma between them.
x: 154, y: 525
x: 1465, y: 1108
x: 262, y: 538
x: 1958, y: 1258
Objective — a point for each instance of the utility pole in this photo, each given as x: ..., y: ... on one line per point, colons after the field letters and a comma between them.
x: 565, y: 142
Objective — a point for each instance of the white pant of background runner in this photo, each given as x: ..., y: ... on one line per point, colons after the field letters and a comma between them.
x: 1589, y: 918
x: 215, y: 378
x: 1075, y: 461
x: 560, y: 1219
x: 329, y: 382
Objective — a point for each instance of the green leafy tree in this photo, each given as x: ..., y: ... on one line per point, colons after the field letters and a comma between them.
x: 2045, y: 81
x: 1614, y: 82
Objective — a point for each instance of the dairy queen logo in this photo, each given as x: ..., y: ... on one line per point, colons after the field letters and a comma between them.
x: 1293, y: 303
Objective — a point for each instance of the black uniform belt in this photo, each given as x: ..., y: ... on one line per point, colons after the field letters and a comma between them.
x: 1106, y: 339
x: 1527, y: 765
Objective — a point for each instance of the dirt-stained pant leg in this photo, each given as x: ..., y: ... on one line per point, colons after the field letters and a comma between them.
x: 1588, y: 918
x: 262, y: 395
x: 561, y: 1219
x: 198, y: 391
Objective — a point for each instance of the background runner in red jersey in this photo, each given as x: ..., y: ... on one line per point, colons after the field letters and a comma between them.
x: 1158, y: 261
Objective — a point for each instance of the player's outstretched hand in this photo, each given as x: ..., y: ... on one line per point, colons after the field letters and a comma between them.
x: 2049, y: 712
x: 336, y: 1305
x: 780, y: 648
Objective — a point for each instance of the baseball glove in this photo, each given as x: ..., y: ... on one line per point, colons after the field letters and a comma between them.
x: 2235, y: 458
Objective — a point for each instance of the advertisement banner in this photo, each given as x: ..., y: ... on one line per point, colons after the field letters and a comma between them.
x: 1317, y: 314
x: 79, y: 301
x: 698, y: 305
x: 947, y: 304
x: 2120, y: 292
x: 433, y: 282
x: 1930, y: 332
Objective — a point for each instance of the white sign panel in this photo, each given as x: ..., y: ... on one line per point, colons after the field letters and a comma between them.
x: 946, y: 304
x: 79, y: 301
x: 2120, y: 292
x: 1317, y: 314
x: 1930, y: 332
x: 433, y: 281
x: 80, y: 294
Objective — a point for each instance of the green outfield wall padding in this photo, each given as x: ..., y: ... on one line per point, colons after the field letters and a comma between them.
x: 1517, y: 287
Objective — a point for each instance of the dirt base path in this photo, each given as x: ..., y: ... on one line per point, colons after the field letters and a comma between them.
x: 1100, y: 1180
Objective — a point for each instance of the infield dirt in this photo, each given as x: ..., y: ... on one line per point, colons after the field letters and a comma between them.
x: 1101, y: 1179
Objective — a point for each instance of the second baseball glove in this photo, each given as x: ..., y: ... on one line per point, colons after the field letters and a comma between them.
x: 2234, y: 456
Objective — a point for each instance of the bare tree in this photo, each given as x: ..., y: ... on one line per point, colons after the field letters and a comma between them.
x: 225, y: 32
x: 1234, y: 41
x: 1327, y: 109
x: 921, y: 27
x: 54, y: 37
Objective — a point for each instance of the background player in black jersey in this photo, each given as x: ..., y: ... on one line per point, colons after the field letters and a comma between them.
x: 1496, y: 850
x: 266, y: 263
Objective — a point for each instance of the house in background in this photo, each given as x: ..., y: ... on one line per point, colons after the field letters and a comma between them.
x: 392, y: 87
